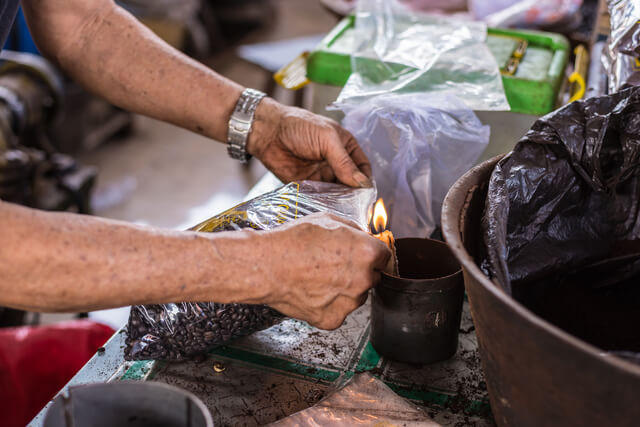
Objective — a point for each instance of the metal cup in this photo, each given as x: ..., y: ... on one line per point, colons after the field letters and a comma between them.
x: 127, y: 403
x: 415, y: 318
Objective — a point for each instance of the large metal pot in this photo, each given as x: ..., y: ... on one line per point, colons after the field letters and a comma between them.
x: 537, y: 375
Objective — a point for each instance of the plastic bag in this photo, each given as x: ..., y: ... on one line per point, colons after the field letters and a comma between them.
x: 419, y: 145
x: 399, y: 51
x: 436, y: 5
x: 182, y: 330
x: 562, y: 219
x: 524, y: 13
x: 363, y: 401
x: 625, y: 26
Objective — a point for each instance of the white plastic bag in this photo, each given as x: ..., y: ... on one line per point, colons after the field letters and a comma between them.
x: 524, y: 13
x: 418, y: 145
x: 363, y: 401
x: 400, y: 51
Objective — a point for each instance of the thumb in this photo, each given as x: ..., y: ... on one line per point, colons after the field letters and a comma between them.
x: 343, y: 165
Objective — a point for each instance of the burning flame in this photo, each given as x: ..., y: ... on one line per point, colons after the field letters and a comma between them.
x: 379, y: 216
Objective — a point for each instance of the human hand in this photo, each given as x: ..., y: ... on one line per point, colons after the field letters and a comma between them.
x: 319, y: 268
x: 296, y: 144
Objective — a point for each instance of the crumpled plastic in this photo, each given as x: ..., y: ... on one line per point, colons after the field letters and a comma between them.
x: 183, y: 330
x: 622, y: 70
x: 568, y: 193
x: 363, y: 401
x: 418, y: 145
x: 562, y: 220
x: 625, y: 26
x: 524, y: 13
x: 399, y: 51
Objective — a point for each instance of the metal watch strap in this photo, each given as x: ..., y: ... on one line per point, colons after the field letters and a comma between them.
x: 240, y: 124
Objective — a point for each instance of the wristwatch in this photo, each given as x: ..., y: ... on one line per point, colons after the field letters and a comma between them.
x: 240, y: 124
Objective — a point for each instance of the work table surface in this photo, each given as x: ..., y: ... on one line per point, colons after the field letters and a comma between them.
x: 291, y: 366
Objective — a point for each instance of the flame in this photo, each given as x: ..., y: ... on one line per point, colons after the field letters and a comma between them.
x: 379, y: 216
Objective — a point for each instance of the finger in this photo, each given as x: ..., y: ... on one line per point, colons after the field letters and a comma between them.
x: 322, y: 172
x: 326, y: 173
x: 342, y: 164
x: 355, y: 151
x: 362, y: 299
x: 338, y: 312
x: 382, y: 255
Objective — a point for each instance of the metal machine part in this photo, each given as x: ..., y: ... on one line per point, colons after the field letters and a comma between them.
x: 32, y: 172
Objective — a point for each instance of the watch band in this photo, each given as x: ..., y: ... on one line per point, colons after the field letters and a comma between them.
x: 240, y: 124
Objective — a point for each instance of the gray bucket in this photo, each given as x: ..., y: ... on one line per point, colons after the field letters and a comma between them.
x: 537, y: 375
x: 127, y: 403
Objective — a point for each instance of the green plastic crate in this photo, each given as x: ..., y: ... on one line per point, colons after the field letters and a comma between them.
x: 530, y: 91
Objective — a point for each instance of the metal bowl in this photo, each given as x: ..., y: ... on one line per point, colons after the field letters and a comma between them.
x: 537, y: 374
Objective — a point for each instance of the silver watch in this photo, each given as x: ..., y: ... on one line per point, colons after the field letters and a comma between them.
x: 240, y: 124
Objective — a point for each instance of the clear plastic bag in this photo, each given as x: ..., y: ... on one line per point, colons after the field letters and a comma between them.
x: 399, y: 51
x: 625, y: 26
x: 182, y: 330
x: 363, y: 401
x: 418, y: 145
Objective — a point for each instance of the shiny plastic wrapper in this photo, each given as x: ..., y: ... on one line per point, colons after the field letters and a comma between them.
x: 363, y: 401
x: 562, y: 220
x: 625, y: 26
x: 622, y: 70
x: 182, y: 330
x: 400, y: 51
x: 418, y: 145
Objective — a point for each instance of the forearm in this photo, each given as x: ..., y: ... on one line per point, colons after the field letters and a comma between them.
x: 104, y: 48
x: 67, y: 262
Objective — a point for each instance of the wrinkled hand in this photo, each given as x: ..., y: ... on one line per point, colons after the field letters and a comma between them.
x: 296, y: 144
x: 320, y: 268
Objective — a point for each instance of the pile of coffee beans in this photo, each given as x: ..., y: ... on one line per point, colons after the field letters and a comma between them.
x: 185, y: 330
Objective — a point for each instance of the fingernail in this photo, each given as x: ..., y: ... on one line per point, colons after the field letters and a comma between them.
x: 362, y: 180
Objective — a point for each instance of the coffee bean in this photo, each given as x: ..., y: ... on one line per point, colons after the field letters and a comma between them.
x: 157, y: 333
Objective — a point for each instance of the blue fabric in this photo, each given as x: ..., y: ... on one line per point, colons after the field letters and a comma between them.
x: 20, y: 38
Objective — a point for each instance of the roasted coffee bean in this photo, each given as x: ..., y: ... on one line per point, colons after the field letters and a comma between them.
x: 155, y: 333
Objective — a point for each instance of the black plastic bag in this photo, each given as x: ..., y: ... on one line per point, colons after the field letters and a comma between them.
x: 562, y: 219
x: 182, y: 330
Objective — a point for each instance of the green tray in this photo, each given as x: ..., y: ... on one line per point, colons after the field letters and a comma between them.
x: 529, y: 91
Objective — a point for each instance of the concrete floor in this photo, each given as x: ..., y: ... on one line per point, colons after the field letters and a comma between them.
x: 168, y: 177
